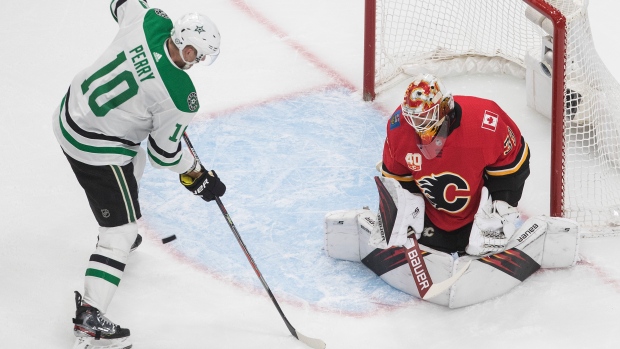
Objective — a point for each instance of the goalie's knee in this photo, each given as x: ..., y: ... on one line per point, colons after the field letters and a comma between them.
x: 342, y: 232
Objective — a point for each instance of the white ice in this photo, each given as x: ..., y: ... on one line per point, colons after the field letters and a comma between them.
x: 283, y: 125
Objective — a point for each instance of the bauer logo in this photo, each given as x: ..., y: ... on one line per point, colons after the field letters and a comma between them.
x: 421, y: 276
x: 192, y: 101
x: 527, y: 233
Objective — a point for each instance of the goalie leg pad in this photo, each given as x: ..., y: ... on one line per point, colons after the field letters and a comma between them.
x: 342, y: 232
x: 560, y: 236
x: 494, y: 275
x: 392, y: 266
x: 561, y: 243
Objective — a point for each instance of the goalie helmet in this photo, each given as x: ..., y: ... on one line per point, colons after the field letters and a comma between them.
x: 426, y: 105
x: 198, y: 31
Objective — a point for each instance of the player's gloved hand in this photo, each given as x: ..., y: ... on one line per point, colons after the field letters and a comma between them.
x: 208, y: 185
x: 494, y: 225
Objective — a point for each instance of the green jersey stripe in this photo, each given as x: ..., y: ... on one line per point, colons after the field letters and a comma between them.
x: 161, y: 163
x: 122, y: 184
x: 90, y: 148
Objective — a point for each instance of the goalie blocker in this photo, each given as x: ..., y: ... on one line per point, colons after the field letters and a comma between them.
x: 541, y: 242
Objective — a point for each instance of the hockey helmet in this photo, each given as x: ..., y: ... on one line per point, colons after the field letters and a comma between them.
x: 200, y: 32
x: 426, y: 105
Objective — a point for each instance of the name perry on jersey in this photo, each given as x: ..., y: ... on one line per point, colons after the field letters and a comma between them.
x: 141, y: 63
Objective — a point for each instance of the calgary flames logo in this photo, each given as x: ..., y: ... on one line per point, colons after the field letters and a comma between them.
x: 446, y: 191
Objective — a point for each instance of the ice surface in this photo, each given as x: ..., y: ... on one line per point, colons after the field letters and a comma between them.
x: 283, y: 125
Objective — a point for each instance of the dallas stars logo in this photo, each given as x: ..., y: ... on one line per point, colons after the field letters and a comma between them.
x: 192, y: 101
x: 199, y: 29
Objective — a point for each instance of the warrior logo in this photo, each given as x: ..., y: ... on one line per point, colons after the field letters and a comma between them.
x: 446, y: 191
x: 192, y: 101
x: 105, y: 213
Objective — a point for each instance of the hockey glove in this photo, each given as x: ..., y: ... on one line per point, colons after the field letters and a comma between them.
x: 208, y: 185
x: 494, y: 225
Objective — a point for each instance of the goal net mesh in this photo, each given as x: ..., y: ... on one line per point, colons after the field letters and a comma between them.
x: 449, y: 37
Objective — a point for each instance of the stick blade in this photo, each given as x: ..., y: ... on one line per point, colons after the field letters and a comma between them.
x: 314, y: 343
x: 440, y: 287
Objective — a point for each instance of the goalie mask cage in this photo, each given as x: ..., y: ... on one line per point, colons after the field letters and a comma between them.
x: 447, y: 37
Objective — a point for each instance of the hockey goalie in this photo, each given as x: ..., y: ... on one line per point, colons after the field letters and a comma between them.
x: 448, y: 229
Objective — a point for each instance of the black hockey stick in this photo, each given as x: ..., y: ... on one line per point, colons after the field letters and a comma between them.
x: 311, y: 342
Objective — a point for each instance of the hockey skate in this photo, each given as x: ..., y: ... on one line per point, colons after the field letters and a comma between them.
x: 93, y: 330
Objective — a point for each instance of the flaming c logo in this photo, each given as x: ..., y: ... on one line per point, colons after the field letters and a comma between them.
x: 446, y: 191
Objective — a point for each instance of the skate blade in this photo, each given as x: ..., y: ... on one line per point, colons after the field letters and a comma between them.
x: 92, y: 343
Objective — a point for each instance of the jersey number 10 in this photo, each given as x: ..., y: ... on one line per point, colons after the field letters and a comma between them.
x: 115, y: 82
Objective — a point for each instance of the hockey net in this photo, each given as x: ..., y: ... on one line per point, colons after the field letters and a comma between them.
x: 532, y: 39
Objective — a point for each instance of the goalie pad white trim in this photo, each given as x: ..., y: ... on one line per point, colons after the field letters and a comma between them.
x: 342, y: 232
x: 561, y: 248
x: 409, y: 213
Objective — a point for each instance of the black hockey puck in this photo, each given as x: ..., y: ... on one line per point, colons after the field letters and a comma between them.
x: 168, y: 239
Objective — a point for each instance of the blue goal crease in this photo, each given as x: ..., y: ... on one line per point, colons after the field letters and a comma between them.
x: 285, y: 164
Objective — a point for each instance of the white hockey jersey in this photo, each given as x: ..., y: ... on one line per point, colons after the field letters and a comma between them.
x: 133, y: 91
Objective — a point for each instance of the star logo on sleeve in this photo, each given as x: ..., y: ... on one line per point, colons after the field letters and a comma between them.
x: 489, y: 121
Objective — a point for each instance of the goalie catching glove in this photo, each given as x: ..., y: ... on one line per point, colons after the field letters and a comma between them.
x: 494, y: 225
x: 208, y: 185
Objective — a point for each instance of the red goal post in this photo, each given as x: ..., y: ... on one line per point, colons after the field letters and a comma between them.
x: 546, y: 42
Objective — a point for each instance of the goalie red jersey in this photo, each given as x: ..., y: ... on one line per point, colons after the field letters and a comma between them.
x: 483, y: 147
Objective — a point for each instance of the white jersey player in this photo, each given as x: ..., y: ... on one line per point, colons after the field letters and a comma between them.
x: 137, y: 90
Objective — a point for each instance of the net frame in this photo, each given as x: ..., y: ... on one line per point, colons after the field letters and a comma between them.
x: 584, y: 133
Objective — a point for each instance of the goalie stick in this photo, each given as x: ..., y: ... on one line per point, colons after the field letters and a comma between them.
x: 421, y: 277
x: 311, y: 342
